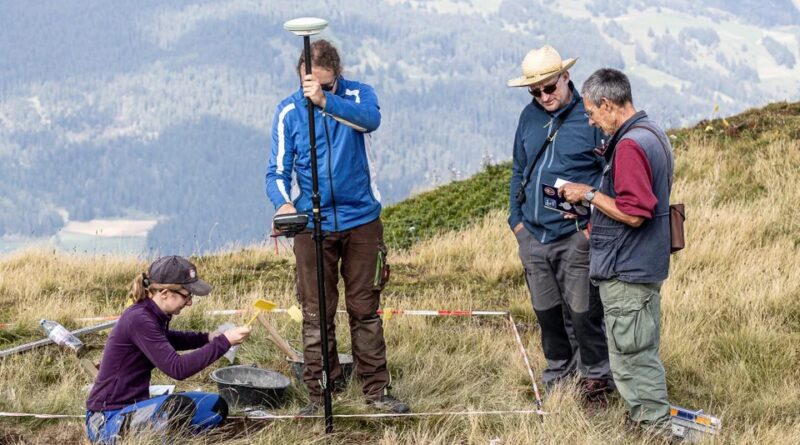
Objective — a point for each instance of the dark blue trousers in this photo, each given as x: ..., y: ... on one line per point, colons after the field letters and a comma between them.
x: 174, y: 414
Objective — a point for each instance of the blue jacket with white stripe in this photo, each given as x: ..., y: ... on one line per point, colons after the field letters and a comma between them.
x: 349, y: 196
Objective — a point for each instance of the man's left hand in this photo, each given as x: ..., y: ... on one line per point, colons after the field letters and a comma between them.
x: 573, y: 192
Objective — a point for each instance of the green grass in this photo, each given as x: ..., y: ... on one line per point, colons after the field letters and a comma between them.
x: 450, y: 207
x: 730, y: 326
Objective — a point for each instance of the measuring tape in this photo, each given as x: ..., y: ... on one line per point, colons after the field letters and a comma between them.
x: 341, y: 416
x: 383, y: 312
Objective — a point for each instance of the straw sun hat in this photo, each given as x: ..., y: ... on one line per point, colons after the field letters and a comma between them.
x: 539, y: 65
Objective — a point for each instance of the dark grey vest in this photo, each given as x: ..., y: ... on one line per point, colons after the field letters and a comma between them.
x: 635, y: 254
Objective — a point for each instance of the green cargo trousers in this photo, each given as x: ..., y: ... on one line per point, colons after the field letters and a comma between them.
x: 633, y: 321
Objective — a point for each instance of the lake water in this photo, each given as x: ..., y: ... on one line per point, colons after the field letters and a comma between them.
x: 97, y: 237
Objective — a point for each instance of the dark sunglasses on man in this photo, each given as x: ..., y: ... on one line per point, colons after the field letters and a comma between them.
x: 328, y: 86
x: 547, y: 89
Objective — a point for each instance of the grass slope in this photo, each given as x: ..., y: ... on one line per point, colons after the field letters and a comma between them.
x: 458, y: 204
x: 450, y: 207
x: 731, y: 311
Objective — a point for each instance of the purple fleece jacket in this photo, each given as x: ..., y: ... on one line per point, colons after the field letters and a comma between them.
x: 141, y: 341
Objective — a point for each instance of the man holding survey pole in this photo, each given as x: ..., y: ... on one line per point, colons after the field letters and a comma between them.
x: 553, y: 145
x: 345, y: 113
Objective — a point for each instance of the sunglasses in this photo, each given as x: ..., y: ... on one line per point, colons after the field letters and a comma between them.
x: 547, y: 89
x: 186, y: 296
x: 327, y: 86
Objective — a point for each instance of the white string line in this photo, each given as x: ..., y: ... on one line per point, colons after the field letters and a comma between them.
x: 341, y: 416
x: 43, y: 416
x: 395, y: 415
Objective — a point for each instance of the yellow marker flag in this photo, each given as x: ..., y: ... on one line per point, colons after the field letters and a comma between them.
x: 716, y: 108
x: 387, y: 314
x: 725, y: 123
x: 295, y: 313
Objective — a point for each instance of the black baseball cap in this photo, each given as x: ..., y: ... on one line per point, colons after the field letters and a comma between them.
x: 178, y: 270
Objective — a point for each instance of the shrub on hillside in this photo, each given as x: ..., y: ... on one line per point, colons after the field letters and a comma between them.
x: 451, y: 207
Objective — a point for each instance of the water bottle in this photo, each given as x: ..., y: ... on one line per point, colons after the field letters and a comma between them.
x: 60, y: 335
x: 231, y: 354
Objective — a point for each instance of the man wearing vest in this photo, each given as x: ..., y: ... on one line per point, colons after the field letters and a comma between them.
x: 630, y: 242
x: 553, y: 142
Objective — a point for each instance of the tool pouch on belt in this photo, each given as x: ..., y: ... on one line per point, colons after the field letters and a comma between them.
x: 382, y: 270
x: 677, y: 215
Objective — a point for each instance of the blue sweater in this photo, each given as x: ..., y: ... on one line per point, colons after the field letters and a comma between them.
x: 570, y: 157
x: 348, y: 192
x: 141, y: 341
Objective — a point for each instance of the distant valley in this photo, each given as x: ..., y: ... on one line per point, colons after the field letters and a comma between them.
x: 161, y: 110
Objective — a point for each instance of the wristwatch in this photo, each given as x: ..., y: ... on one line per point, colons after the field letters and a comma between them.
x: 589, y: 196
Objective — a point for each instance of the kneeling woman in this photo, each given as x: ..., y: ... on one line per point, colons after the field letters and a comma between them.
x: 120, y: 401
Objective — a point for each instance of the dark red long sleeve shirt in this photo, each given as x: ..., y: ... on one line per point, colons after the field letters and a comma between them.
x: 633, y: 180
x: 141, y: 341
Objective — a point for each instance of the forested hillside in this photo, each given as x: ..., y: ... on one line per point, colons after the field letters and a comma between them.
x: 162, y: 109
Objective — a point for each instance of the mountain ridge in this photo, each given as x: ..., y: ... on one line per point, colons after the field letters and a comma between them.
x: 89, y: 80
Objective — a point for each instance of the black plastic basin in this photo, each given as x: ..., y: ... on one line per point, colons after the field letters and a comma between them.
x: 246, y: 386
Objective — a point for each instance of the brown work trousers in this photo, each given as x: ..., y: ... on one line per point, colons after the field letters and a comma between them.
x: 359, y: 254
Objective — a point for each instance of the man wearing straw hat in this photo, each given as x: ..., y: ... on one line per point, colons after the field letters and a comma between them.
x: 554, y: 144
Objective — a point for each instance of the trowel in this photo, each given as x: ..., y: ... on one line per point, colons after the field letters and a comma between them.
x: 262, y: 306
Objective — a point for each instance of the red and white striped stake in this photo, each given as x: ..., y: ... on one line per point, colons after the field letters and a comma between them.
x: 440, y: 312
x: 527, y: 365
x: 419, y: 312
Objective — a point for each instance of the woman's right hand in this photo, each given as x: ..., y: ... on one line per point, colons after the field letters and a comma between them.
x: 237, y: 335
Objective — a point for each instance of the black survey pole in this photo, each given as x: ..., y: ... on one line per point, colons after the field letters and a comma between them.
x: 317, y: 217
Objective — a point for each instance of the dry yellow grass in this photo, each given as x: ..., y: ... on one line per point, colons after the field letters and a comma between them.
x: 730, y: 339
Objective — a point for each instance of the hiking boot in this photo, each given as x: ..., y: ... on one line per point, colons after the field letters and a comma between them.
x: 631, y: 426
x: 339, y: 386
x: 594, y: 394
x: 310, y: 409
x: 390, y: 404
x: 595, y: 389
x: 659, y: 434
x: 595, y: 405
x: 592, y: 388
x: 662, y: 433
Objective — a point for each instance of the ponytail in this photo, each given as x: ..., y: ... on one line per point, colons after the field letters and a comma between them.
x: 142, y: 288
x: 139, y: 288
